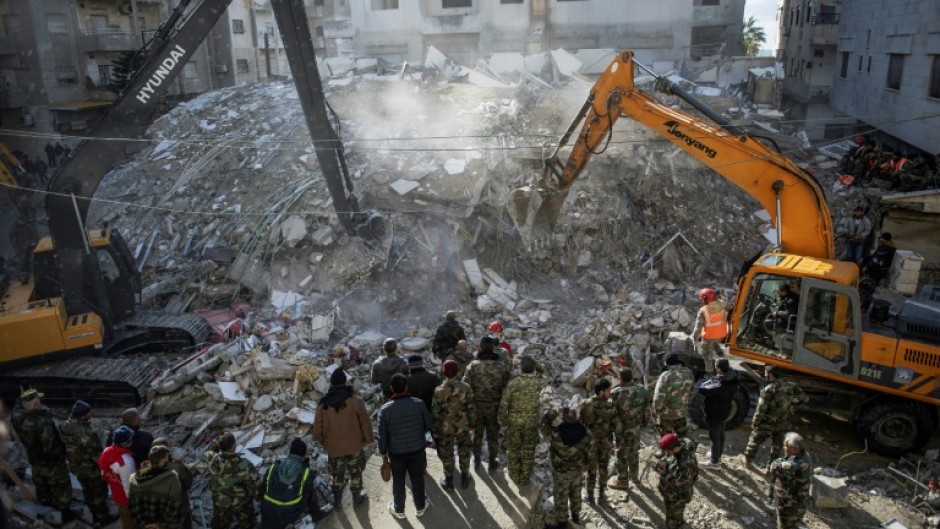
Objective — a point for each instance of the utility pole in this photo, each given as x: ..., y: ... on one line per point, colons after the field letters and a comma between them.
x: 267, y: 53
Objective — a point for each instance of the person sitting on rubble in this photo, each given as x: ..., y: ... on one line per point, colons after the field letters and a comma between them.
x: 914, y: 176
x: 876, y: 265
x: 852, y: 155
x: 290, y: 490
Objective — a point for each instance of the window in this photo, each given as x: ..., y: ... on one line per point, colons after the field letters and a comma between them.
x: 510, y: 1
x: 706, y: 39
x: 448, y: 4
x: 65, y: 75
x: 869, y: 64
x: 934, y: 89
x: 241, y: 65
x: 56, y: 24
x: 190, y: 71
x: 819, y: 52
x: 860, y: 62
x: 895, y: 69
x: 378, y: 5
x: 828, y: 320
x: 762, y: 329
x: 238, y: 26
x: 844, y: 70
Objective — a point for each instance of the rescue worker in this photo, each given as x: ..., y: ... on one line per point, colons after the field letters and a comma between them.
x: 463, y: 356
x: 83, y: 448
x: 718, y: 391
x: 235, y: 485
x: 290, y: 490
x: 519, y: 413
x: 788, y: 306
x: 674, y: 390
x: 447, y: 336
x: 385, y: 367
x: 185, y: 476
x: 143, y: 441
x: 599, y: 414
x: 791, y: 476
x: 496, y: 332
x: 678, y: 471
x: 117, y: 466
x: 778, y: 402
x: 343, y: 427
x: 487, y: 376
x: 454, y: 412
x: 155, y: 494
x: 421, y: 382
x: 712, y: 322
x: 569, y: 447
x: 631, y: 400
x: 46, y: 454
x: 854, y: 230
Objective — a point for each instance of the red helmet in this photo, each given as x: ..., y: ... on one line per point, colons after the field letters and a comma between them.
x: 707, y: 295
x: 496, y: 327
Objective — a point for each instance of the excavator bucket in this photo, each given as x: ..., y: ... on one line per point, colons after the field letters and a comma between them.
x: 534, y: 210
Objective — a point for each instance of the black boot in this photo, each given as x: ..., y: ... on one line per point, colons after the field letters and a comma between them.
x: 494, y: 464
x: 575, y: 518
x: 358, y: 498
x: 590, y: 498
x: 601, y: 495
x: 464, y: 480
x: 447, y: 483
x: 337, y: 497
x: 476, y: 461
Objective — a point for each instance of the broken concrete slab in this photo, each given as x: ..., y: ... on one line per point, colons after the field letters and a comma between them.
x: 293, y: 230
x: 830, y: 492
x: 403, y: 187
x: 415, y: 344
x: 474, y: 275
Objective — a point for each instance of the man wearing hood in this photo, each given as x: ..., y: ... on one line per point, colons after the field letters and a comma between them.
x: 487, y: 376
x: 570, y: 443
x: 718, y: 391
x: 155, y: 497
x: 343, y: 427
x: 290, y: 490
x: 447, y: 336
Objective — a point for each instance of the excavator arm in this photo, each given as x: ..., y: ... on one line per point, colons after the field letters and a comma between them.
x: 793, y: 198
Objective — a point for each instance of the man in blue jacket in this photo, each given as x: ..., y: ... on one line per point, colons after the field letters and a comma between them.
x: 404, y: 429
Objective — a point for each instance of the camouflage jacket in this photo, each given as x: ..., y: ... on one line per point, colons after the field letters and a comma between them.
x: 234, y: 480
x: 778, y: 400
x: 82, y: 446
x: 600, y: 416
x: 791, y: 478
x: 39, y: 436
x: 632, y: 403
x: 487, y: 379
x: 156, y: 498
x: 446, y: 338
x: 453, y: 408
x: 674, y: 391
x: 569, y: 444
x: 519, y: 407
x: 677, y: 473
x: 463, y: 359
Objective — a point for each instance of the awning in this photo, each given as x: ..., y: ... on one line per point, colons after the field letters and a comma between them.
x: 81, y: 105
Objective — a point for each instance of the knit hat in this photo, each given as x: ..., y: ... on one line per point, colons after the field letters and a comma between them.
x: 123, y: 435
x: 668, y: 441
x: 415, y: 361
x: 30, y: 395
x: 338, y: 378
x: 298, y: 447
x: 80, y: 409
x: 450, y: 369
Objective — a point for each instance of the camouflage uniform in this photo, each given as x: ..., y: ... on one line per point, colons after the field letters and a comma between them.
x: 632, y: 403
x: 463, y: 359
x: 353, y: 464
x: 235, y: 486
x: 791, y: 477
x: 599, y: 415
x: 83, y: 448
x: 446, y: 338
x: 487, y: 379
x: 771, y: 420
x: 519, y: 412
x: 46, y: 454
x: 674, y: 391
x: 568, y: 464
x: 677, y: 475
x: 454, y: 412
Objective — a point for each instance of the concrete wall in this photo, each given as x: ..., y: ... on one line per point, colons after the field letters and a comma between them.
x: 874, y: 29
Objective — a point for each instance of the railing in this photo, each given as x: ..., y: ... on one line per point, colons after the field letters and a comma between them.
x: 824, y: 18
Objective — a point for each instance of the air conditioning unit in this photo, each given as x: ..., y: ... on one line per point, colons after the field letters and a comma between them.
x: 221, y: 68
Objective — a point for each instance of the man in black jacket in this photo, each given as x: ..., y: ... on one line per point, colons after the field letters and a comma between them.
x: 421, y: 382
x: 290, y: 490
x: 142, y: 442
x: 718, y: 391
x: 404, y: 428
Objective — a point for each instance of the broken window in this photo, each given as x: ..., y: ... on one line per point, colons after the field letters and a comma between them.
x: 238, y: 26
x: 934, y: 88
x: 895, y: 69
x: 380, y: 5
x: 844, y: 70
x: 706, y: 40
x: 241, y: 65
x: 448, y: 4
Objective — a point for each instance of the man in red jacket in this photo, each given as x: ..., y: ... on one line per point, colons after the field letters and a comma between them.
x: 117, y: 465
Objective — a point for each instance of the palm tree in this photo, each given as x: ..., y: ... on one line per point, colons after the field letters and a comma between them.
x: 752, y: 37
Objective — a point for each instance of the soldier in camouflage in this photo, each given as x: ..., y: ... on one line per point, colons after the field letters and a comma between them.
x: 447, y: 336
x: 454, y: 413
x: 37, y: 431
x: 599, y: 414
x: 678, y: 471
x: 791, y: 476
x: 632, y: 402
x: 519, y: 413
x: 463, y: 356
x: 674, y: 391
x: 778, y: 402
x: 487, y: 376
x: 82, y: 449
x: 235, y: 485
x: 570, y: 443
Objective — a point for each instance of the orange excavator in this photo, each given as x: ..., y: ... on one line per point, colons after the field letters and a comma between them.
x: 879, y: 369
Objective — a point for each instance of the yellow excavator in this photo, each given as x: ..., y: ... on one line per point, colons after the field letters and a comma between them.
x: 879, y: 369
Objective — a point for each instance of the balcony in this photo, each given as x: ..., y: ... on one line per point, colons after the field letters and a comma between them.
x: 13, y: 97
x: 825, y: 35
x: 108, y: 40
x: 824, y: 19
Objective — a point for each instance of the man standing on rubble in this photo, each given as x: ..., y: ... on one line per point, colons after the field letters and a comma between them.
x: 674, y: 390
x: 447, y: 336
x: 791, y: 476
x: 387, y: 366
x: 631, y: 400
x: 117, y: 465
x: 774, y: 414
x: 290, y: 490
x: 421, y: 382
x: 404, y: 423
x: 678, y: 471
x: 519, y: 413
x: 718, y: 391
x: 463, y: 356
x: 83, y: 448
x: 155, y: 496
x: 143, y: 441
x: 235, y: 485
x: 569, y: 447
x: 342, y: 426
x: 454, y: 414
x: 855, y: 230
x: 487, y: 376
x: 712, y: 321
x: 37, y: 431
x: 496, y: 332
x: 185, y: 476
x: 598, y: 414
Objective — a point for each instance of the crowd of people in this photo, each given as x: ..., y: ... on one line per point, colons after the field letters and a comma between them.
x: 461, y: 409
x: 871, y: 164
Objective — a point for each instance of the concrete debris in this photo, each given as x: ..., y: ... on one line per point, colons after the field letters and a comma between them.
x: 830, y: 492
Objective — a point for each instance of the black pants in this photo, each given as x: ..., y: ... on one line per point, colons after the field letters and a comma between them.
x: 716, y: 433
x: 414, y: 464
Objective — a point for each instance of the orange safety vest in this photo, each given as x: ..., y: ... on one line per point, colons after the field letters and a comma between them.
x: 716, y: 324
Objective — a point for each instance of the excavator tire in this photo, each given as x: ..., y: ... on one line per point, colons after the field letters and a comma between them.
x: 740, y: 407
x: 894, y: 427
